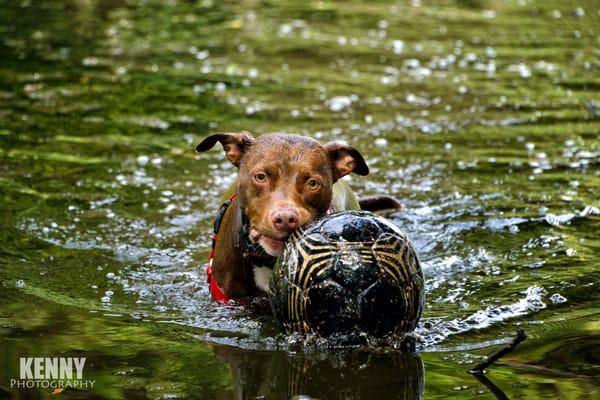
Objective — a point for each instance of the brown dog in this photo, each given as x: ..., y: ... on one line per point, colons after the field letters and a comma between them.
x: 284, y: 182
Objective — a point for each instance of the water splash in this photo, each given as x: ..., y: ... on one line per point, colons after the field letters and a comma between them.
x: 437, y: 330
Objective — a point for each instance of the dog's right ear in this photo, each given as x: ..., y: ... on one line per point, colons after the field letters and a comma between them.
x: 234, y: 144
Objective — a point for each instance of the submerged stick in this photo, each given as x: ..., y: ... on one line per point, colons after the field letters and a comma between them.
x: 492, y: 358
x: 495, y: 390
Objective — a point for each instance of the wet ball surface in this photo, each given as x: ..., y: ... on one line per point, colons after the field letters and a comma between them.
x: 353, y: 274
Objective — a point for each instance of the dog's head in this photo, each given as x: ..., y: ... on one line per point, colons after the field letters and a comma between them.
x: 284, y: 181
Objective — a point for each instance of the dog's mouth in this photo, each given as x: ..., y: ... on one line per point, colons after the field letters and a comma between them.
x: 272, y: 244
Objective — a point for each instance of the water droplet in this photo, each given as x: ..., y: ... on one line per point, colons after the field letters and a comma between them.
x: 143, y: 160
x: 338, y: 103
x: 383, y: 24
x: 90, y: 61
x: 522, y: 69
x: 381, y: 142
x: 557, y: 299
x: 220, y: 87
x: 489, y: 14
x: 285, y: 29
x: 398, y: 46
x: 202, y: 55
x: 170, y: 208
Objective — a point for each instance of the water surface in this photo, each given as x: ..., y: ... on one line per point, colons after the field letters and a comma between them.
x: 482, y: 117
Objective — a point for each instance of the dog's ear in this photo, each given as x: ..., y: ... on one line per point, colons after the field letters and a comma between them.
x: 234, y: 144
x: 345, y: 159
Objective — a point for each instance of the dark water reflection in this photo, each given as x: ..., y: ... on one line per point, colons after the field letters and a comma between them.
x: 481, y: 116
x: 328, y: 375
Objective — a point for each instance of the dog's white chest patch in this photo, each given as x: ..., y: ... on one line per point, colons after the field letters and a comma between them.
x: 262, y: 277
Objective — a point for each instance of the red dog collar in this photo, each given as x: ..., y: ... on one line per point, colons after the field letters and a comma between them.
x: 216, y: 292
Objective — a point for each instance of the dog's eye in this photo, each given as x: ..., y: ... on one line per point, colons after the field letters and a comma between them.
x: 261, y: 177
x: 313, y: 184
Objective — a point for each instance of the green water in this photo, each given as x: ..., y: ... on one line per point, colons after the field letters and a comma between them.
x: 482, y: 117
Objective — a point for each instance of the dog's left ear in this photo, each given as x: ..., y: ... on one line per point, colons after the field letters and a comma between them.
x: 234, y: 144
x: 345, y: 159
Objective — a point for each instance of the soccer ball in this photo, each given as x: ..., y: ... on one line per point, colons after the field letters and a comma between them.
x: 352, y: 274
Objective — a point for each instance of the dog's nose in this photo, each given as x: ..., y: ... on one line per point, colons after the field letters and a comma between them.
x: 285, y: 220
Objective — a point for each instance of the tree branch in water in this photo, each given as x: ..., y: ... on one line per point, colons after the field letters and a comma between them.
x: 504, y: 350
